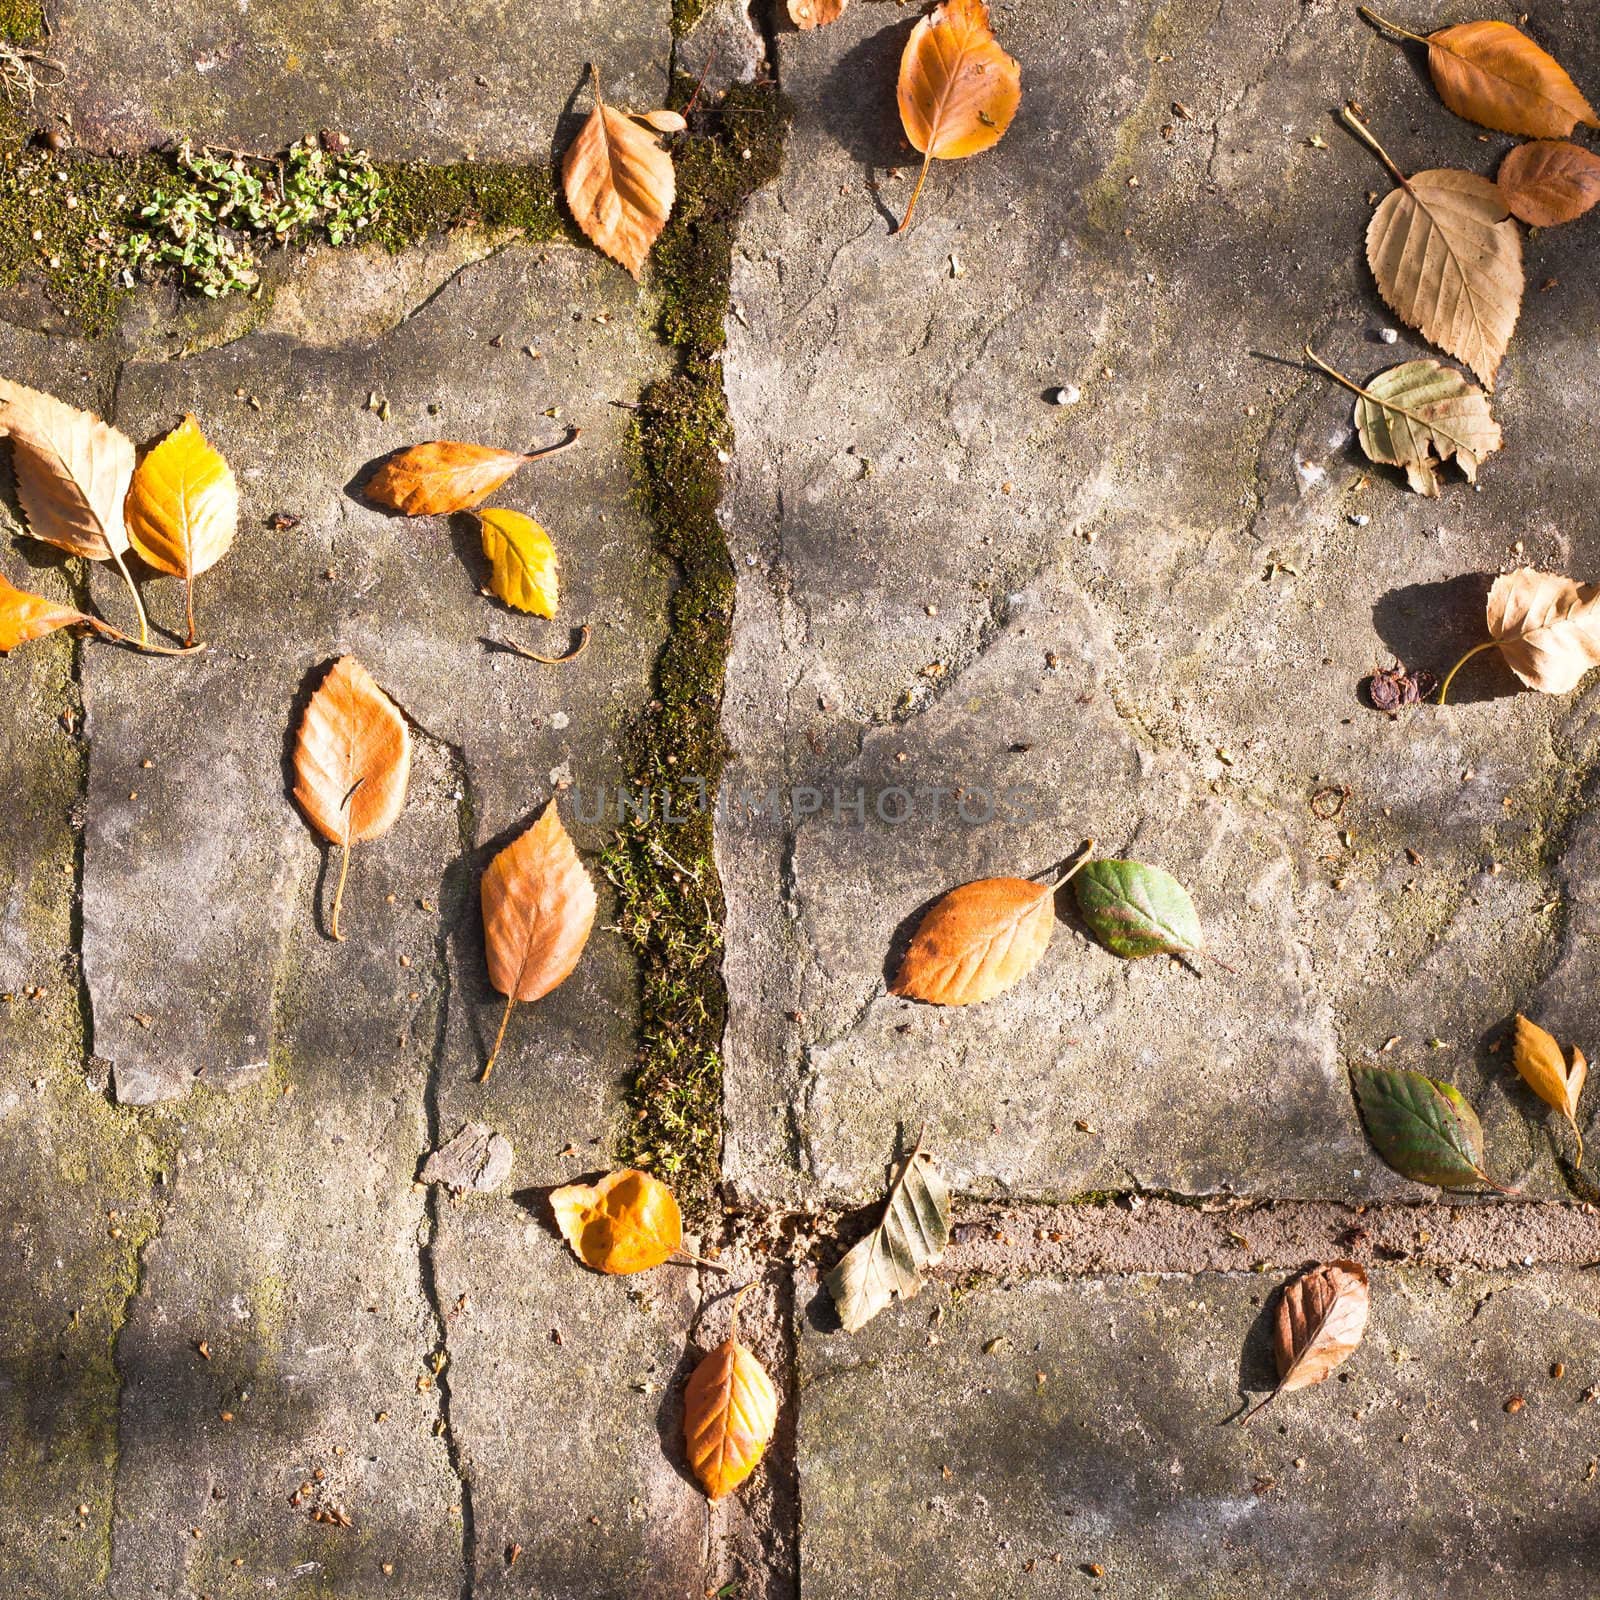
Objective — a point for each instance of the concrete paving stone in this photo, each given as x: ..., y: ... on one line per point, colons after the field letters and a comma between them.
x: 1143, y: 618
x: 477, y: 80
x: 1067, y: 1438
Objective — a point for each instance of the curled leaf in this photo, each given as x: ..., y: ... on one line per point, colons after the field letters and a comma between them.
x: 1549, y: 181
x: 730, y: 1410
x: 352, y: 762
x: 183, y: 507
x: 1417, y: 416
x: 1538, y: 1058
x: 1319, y: 1321
x: 522, y: 561
x: 909, y: 1240
x: 1490, y: 73
x: 806, y: 14
x: 958, y: 89
x: 619, y: 183
x: 446, y: 475
x: 1423, y: 1128
x: 538, y: 908
x: 628, y: 1222
x: 1137, y: 911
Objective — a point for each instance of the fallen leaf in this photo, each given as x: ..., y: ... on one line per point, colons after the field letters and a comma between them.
x: 25, y: 616
x: 619, y: 183
x: 478, y: 1158
x: 1417, y: 416
x: 183, y: 508
x: 1423, y: 1128
x: 445, y: 475
x: 1490, y: 73
x: 1549, y: 181
x: 1319, y: 1321
x: 958, y: 89
x: 1447, y: 258
x: 1547, y: 627
x: 730, y: 1410
x: 628, y: 1222
x: 1537, y: 1056
x: 352, y: 760
x: 522, y: 561
x: 1137, y: 911
x: 815, y: 13
x: 977, y: 940
x: 538, y: 908
x: 909, y: 1240
x: 73, y: 472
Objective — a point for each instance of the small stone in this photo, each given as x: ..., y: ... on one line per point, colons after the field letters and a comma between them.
x: 477, y: 1158
x: 1388, y: 335
x: 1359, y: 519
x: 1068, y: 395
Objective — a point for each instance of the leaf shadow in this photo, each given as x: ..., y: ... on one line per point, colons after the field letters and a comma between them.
x: 535, y: 1200
x: 326, y: 850
x: 866, y: 120
x: 1433, y: 625
x: 569, y: 120
x: 669, y: 1414
x: 1258, y: 1367
x: 466, y: 538
x: 356, y: 487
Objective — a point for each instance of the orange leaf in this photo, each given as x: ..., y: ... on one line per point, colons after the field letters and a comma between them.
x: 1549, y: 181
x: 25, y: 616
x: 815, y: 13
x: 619, y: 183
x: 729, y: 1412
x: 958, y: 89
x: 628, y: 1222
x: 977, y: 940
x: 352, y: 759
x: 445, y: 475
x: 1490, y: 73
x: 538, y: 908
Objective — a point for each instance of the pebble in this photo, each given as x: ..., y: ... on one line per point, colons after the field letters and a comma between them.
x: 1069, y: 395
x: 1359, y: 519
x: 1388, y: 335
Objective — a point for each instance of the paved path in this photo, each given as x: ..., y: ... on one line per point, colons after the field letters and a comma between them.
x: 1142, y: 618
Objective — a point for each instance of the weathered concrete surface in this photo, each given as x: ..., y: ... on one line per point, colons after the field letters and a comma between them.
x: 442, y: 81
x: 1062, y: 1439
x: 1142, y: 618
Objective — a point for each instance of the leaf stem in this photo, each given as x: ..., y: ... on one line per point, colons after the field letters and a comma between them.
x: 188, y: 603
x: 1085, y: 854
x: 549, y: 661
x: 146, y: 648
x: 1255, y: 1411
x: 1499, y: 1188
x: 554, y: 449
x: 1393, y: 27
x: 505, y: 1017
x: 922, y: 178
x: 1444, y: 688
x: 1369, y: 139
x: 338, y: 893
x: 138, y: 604
x: 1337, y: 376
x: 1577, y: 1133
x: 700, y: 1261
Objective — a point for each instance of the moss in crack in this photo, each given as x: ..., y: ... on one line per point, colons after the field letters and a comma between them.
x: 685, y: 14
x: 21, y: 21
x: 663, y: 866
x: 495, y: 196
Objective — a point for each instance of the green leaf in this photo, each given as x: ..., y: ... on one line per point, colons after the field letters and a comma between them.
x: 891, y: 1259
x: 1135, y: 910
x: 1423, y: 1128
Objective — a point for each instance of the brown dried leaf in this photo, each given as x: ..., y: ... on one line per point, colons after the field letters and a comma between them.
x: 352, y: 761
x: 445, y: 475
x: 1549, y: 181
x: 1490, y: 73
x: 538, y: 908
x: 976, y: 941
x: 958, y: 89
x: 730, y: 1410
x: 619, y: 183
x: 815, y: 13
x: 1320, y: 1318
x: 1537, y: 1057
x: 628, y: 1222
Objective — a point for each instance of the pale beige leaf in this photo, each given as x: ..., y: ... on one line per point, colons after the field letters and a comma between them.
x: 663, y: 121
x: 1405, y: 415
x: 1448, y: 260
x: 976, y: 941
x: 1547, y: 627
x: 73, y: 472
x: 1320, y: 1319
x: 815, y: 13
x: 619, y: 183
x: 1549, y: 181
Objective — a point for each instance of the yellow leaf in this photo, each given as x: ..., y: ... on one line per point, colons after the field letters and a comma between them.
x: 958, y: 89
x: 1537, y: 1056
x: 538, y: 908
x: 183, y: 507
x: 628, y: 1222
x: 522, y: 561
x: 352, y: 761
x: 619, y: 183
x: 730, y: 1410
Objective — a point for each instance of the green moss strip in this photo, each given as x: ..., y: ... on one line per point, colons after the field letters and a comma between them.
x: 665, y: 871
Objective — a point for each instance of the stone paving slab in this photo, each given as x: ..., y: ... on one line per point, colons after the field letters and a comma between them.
x: 1142, y: 618
x: 446, y: 80
x: 1044, y: 1438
